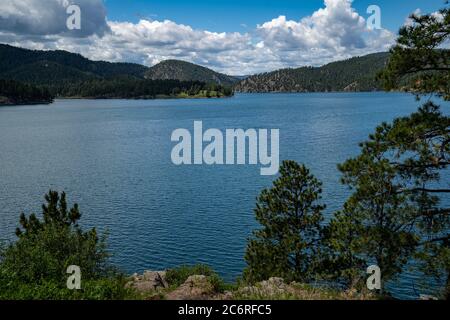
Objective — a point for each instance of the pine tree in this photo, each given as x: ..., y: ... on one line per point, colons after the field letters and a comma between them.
x: 397, y: 211
x: 418, y: 62
x: 290, y: 215
x: 47, y: 245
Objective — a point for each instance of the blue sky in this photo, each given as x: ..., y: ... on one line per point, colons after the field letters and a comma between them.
x: 235, y: 15
x: 236, y: 37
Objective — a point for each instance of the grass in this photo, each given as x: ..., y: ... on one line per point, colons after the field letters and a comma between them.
x: 177, y: 276
x: 102, y: 289
x: 297, y: 291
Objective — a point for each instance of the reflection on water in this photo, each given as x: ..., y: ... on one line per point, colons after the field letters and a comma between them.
x: 113, y: 158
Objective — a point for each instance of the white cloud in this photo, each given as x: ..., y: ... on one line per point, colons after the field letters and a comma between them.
x: 48, y: 17
x: 334, y: 32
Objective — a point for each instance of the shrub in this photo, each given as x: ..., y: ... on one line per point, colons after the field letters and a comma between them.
x: 177, y: 276
x: 34, y: 267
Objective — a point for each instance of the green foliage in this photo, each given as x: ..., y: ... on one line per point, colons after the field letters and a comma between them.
x: 35, y: 265
x: 177, y: 276
x: 287, y: 245
x: 51, y: 67
x: 185, y: 71
x: 131, y: 88
x: 13, y: 92
x: 418, y: 62
x: 71, y: 75
x: 395, y: 211
x: 355, y: 74
x: 110, y: 288
x: 423, y: 138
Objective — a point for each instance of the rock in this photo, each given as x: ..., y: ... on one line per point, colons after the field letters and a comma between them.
x: 194, y: 288
x: 227, y: 295
x: 135, y: 277
x: 149, y: 281
x: 269, y: 288
x: 427, y: 297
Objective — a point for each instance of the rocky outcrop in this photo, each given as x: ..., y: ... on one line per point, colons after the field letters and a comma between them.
x: 278, y: 289
x: 149, y: 281
x: 194, y: 288
x: 153, y: 285
x: 274, y: 287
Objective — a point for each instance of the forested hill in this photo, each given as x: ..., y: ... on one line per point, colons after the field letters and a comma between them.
x: 59, y: 67
x: 185, y: 71
x: 14, y: 93
x: 355, y: 74
x: 65, y: 74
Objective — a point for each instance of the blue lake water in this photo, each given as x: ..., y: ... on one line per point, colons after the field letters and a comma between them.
x: 113, y: 158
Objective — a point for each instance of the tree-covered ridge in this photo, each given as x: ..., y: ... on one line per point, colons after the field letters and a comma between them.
x: 185, y: 71
x: 15, y: 60
x: 355, y: 74
x: 131, y: 88
x: 13, y: 93
x: 50, y: 67
x: 71, y: 75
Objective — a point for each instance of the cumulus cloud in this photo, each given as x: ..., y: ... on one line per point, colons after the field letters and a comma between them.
x: 48, y: 17
x: 333, y: 32
x: 336, y: 31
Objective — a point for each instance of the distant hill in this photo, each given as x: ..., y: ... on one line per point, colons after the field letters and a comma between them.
x: 14, y: 93
x: 185, y: 71
x: 355, y: 74
x: 59, y: 67
x: 65, y: 74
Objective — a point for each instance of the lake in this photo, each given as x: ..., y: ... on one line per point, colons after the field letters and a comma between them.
x: 113, y: 157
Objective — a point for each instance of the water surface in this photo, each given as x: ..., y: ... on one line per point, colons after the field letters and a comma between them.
x: 113, y: 158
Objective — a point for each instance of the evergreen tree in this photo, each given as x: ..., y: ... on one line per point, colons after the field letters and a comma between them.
x: 290, y: 215
x: 396, y: 212
x: 47, y: 246
x: 418, y: 62
x: 13, y: 92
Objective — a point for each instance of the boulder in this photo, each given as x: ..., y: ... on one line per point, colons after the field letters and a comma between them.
x: 427, y: 297
x: 269, y: 288
x: 149, y: 281
x: 194, y: 288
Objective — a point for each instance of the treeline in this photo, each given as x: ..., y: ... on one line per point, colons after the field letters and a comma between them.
x: 13, y: 92
x: 67, y: 74
x: 355, y: 74
x: 28, y: 65
x: 132, y: 88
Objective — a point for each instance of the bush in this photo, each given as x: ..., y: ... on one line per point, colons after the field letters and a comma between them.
x: 112, y: 288
x: 177, y: 276
x: 34, y: 267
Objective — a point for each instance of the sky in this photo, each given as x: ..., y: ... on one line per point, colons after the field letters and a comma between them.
x: 237, y: 37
